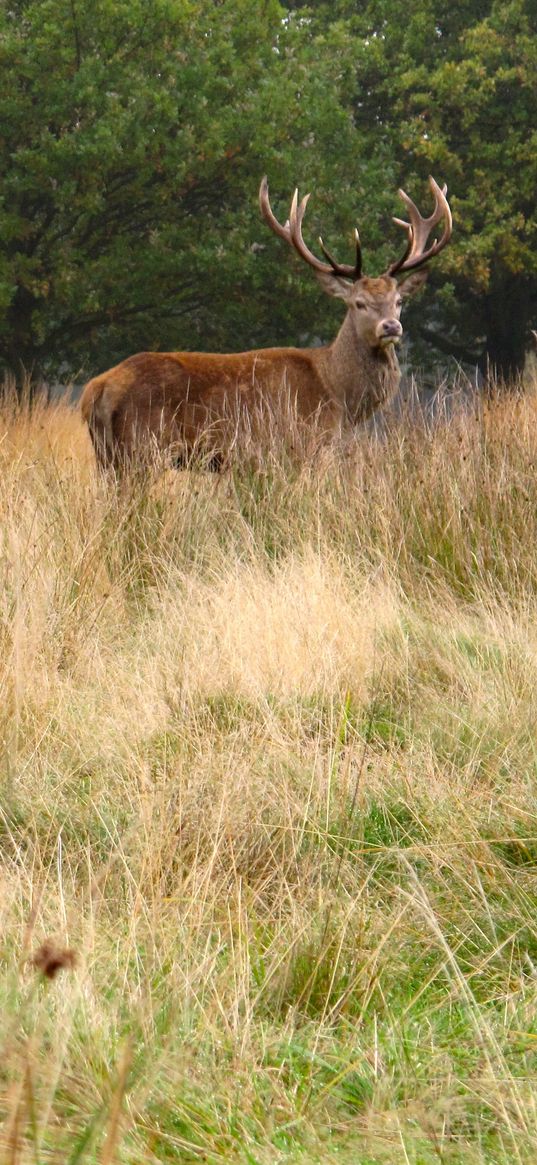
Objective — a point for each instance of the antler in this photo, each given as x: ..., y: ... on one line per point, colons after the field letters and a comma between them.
x: 291, y: 231
x: 419, y: 229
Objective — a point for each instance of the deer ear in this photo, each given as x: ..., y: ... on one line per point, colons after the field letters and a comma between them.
x: 414, y: 282
x: 334, y: 284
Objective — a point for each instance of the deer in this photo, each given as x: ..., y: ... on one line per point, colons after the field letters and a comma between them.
x: 181, y: 401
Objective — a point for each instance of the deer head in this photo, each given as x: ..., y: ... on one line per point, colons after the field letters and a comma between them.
x: 374, y: 304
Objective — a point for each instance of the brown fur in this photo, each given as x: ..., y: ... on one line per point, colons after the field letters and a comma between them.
x: 172, y: 400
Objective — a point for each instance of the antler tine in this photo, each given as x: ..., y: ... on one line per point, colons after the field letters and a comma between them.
x: 292, y: 233
x: 398, y: 265
x: 297, y: 214
x: 266, y: 210
x: 358, y: 264
x: 356, y: 271
x: 298, y: 211
x: 419, y: 229
x: 422, y: 227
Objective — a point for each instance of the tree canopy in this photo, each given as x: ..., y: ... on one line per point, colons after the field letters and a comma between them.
x: 135, y: 133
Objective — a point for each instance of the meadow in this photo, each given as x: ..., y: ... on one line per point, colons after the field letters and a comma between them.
x: 268, y: 765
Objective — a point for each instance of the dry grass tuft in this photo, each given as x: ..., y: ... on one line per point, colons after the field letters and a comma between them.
x: 268, y: 767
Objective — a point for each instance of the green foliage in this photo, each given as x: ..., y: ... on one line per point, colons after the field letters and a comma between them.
x: 451, y: 89
x: 472, y: 115
x: 134, y: 136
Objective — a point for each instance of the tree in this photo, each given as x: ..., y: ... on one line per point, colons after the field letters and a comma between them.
x: 473, y: 114
x: 451, y: 89
x: 135, y: 133
x: 134, y: 137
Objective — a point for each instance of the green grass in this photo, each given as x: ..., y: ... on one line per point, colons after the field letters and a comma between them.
x: 269, y: 769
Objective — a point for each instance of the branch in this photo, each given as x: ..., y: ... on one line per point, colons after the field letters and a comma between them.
x: 78, y: 53
x: 449, y: 347
x: 111, y: 315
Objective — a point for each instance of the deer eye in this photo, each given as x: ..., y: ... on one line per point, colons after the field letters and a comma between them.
x: 360, y: 304
x: 399, y: 301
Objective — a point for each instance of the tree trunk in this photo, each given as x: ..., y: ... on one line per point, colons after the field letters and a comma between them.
x: 20, y: 349
x: 506, y: 317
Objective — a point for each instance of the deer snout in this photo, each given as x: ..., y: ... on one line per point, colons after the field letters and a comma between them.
x: 389, y: 331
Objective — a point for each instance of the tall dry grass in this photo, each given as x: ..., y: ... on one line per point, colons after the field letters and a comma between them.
x: 268, y: 770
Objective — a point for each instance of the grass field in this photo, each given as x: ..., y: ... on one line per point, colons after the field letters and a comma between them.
x: 269, y: 761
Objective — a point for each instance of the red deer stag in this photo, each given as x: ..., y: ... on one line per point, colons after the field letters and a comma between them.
x: 172, y: 400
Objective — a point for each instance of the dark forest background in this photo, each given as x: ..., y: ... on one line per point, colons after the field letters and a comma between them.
x: 134, y: 134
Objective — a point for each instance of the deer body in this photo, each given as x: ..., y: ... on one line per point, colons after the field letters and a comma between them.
x: 174, y: 400
x: 176, y: 396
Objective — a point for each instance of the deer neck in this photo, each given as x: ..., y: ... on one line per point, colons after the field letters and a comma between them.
x: 361, y: 377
